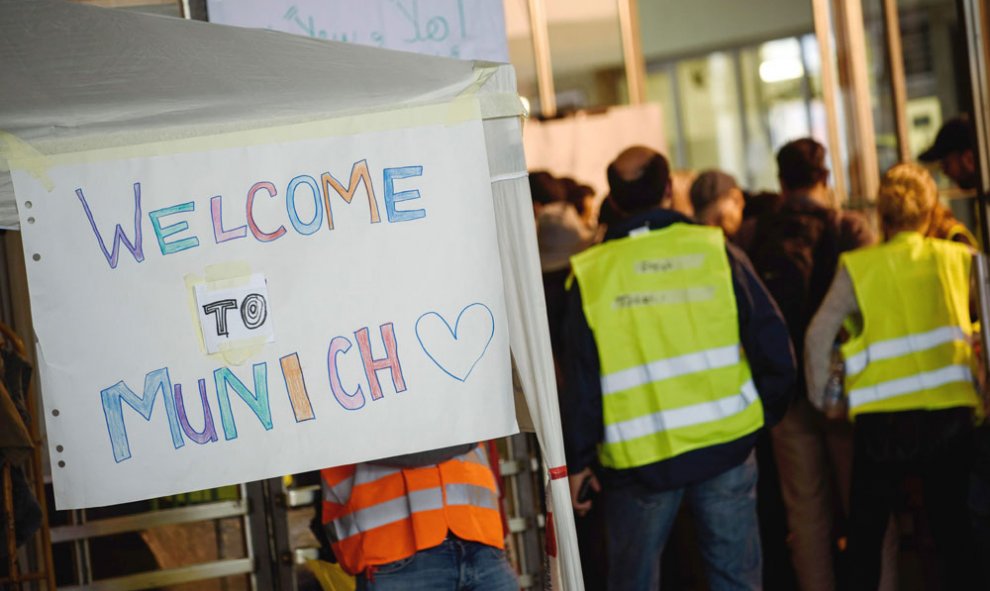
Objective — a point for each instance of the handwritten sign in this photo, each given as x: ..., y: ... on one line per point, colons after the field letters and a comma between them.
x: 464, y: 29
x: 160, y: 283
x: 233, y: 315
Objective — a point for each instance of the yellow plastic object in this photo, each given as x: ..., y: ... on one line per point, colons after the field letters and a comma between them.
x: 330, y: 576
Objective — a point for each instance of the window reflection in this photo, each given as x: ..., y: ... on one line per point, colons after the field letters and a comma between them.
x: 586, y: 52
x: 520, y: 35
x: 733, y: 109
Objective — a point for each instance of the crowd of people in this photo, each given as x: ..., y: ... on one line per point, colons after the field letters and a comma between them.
x: 752, y: 383
x: 785, y: 376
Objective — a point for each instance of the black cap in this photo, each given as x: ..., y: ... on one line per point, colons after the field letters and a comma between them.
x: 956, y: 135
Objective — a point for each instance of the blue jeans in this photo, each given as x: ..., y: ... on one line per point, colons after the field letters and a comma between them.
x: 454, y: 565
x: 639, y: 520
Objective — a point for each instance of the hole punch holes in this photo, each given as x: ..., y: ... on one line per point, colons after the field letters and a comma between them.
x: 61, y: 463
x: 28, y: 205
x: 30, y: 220
x: 59, y: 448
x: 55, y: 412
x: 36, y: 257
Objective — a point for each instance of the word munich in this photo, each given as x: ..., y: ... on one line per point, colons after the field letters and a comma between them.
x: 172, y: 231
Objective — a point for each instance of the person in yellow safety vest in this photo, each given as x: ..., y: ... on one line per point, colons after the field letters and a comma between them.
x: 908, y: 379
x: 426, y: 521
x: 676, y: 357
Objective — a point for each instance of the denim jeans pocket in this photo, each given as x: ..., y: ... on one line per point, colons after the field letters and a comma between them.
x: 393, y: 567
x: 492, y: 552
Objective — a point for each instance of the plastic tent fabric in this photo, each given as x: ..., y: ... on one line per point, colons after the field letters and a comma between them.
x: 74, y: 78
x: 529, y: 332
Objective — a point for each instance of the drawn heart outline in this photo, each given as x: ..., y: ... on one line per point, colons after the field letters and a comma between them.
x: 454, y: 333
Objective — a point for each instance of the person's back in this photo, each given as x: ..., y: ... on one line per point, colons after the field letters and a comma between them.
x: 925, y: 319
x: 659, y: 314
x: 795, y: 248
x: 908, y: 377
x: 643, y: 297
x: 796, y: 244
x: 424, y: 520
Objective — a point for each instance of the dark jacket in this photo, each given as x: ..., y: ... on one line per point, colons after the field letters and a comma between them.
x: 795, y: 250
x: 763, y: 335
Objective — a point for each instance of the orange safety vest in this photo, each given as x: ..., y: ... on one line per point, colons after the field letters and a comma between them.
x: 377, y: 514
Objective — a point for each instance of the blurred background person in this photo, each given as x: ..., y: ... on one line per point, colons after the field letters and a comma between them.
x: 795, y: 248
x: 664, y: 428
x: 953, y: 152
x: 582, y: 198
x: 565, y: 226
x: 561, y: 232
x: 717, y: 201
x: 908, y: 377
x: 544, y: 189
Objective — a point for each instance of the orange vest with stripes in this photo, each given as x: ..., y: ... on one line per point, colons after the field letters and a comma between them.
x: 377, y: 514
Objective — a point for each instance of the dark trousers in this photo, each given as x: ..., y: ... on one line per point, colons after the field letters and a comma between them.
x: 890, y: 448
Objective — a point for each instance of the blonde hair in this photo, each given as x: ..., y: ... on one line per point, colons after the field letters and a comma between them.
x: 906, y: 199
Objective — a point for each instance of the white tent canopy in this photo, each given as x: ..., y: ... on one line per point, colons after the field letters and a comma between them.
x: 76, y: 78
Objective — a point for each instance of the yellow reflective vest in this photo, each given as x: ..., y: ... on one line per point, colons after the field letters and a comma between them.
x: 913, y: 348
x: 663, y: 313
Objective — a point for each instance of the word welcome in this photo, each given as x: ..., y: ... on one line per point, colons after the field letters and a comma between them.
x: 159, y: 382
x: 171, y: 230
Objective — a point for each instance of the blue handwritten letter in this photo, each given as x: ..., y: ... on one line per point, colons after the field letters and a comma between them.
x: 119, y: 237
x: 304, y: 228
x: 391, y: 197
x: 258, y: 402
x: 113, y: 409
x: 163, y: 232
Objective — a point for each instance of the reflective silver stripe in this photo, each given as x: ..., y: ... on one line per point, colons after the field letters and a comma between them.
x: 469, y: 494
x: 913, y: 343
x: 388, y: 512
x: 371, y: 472
x: 686, y: 416
x: 427, y: 499
x: 910, y: 384
x: 340, y: 493
x: 475, y: 456
x: 669, y: 368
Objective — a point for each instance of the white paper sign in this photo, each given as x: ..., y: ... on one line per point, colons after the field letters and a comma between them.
x: 234, y: 315
x: 375, y: 253
x: 463, y: 29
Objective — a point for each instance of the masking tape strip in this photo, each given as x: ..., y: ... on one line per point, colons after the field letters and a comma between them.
x: 510, y: 176
x: 459, y: 110
x: 222, y: 276
x: 494, y: 106
x: 228, y: 275
x: 481, y: 77
x: 13, y: 148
